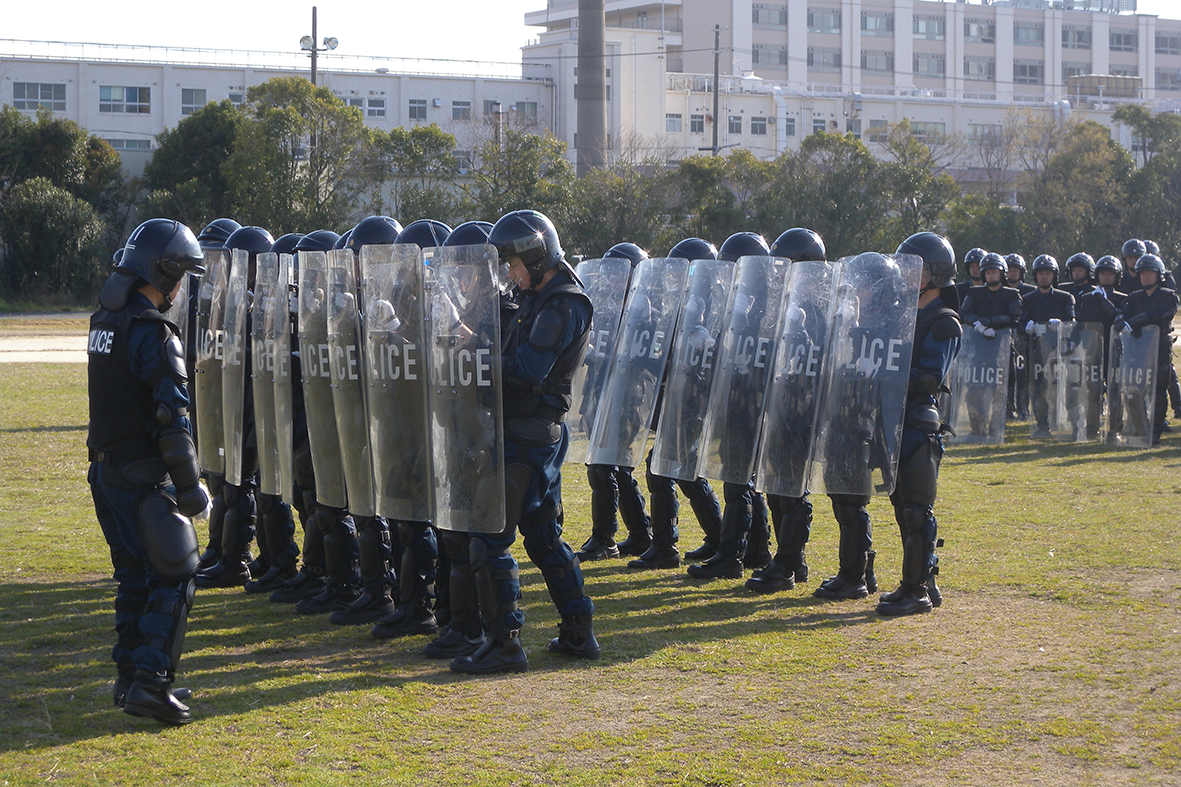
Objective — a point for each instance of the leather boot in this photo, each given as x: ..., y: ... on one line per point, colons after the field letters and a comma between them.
x: 850, y: 581
x: 330, y: 599
x: 597, y: 549
x: 127, y: 677
x: 576, y: 637
x: 502, y: 653
x: 150, y: 696
x: 758, y: 549
x: 717, y: 567
x: 226, y: 573
x: 415, y: 618
x: 306, y: 583
x: 657, y: 556
x: 772, y: 579
x: 371, y: 605
x: 464, y: 634
x: 635, y: 544
x: 217, y: 512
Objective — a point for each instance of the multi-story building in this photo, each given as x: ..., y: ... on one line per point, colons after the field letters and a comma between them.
x: 794, y: 67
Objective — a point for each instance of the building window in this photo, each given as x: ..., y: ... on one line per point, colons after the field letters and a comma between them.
x: 1167, y: 44
x: 1074, y: 69
x: 853, y: 126
x: 789, y: 127
x: 924, y: 130
x: 824, y: 20
x: 237, y: 99
x: 642, y: 20
x: 769, y: 16
x: 130, y: 144
x: 1029, y: 72
x: 978, y: 131
x: 461, y: 110
x: 736, y: 124
x: 359, y: 103
x: 878, y: 130
x: 672, y: 123
x: 980, y: 68
x: 826, y: 61
x: 1124, y: 71
x: 768, y: 55
x: 930, y: 65
x: 1123, y: 40
x: 191, y: 99
x: 980, y: 31
x: 375, y: 108
x: 818, y: 125
x: 526, y: 109
x: 758, y: 127
x: 932, y: 28
x: 697, y: 124
x: 1168, y: 79
x: 881, y: 62
x: 1029, y: 34
x: 877, y: 24
x: 33, y: 95
x: 127, y: 100
x: 465, y: 159
x: 417, y: 110
x: 1076, y: 37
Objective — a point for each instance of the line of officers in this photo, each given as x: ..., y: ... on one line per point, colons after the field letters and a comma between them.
x: 1051, y: 321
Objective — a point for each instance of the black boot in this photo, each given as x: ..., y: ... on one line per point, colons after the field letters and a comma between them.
x: 911, y: 597
x: 150, y: 696
x: 772, y: 579
x: 636, y: 543
x: 657, y: 556
x: 127, y: 677
x: 576, y: 637
x: 232, y: 570
x: 719, y: 566
x: 597, y: 549
x: 758, y: 548
x: 373, y: 604
x: 499, y: 653
x: 307, y: 582
x: 850, y: 581
x: 708, y: 512
x: 217, y: 512
x: 631, y: 511
x: 464, y: 634
x: 375, y: 601
x: 276, y: 529
x: 409, y: 619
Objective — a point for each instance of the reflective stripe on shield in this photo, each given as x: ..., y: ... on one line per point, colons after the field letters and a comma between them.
x: 730, y: 436
x: 1131, y: 381
x: 315, y: 364
x: 233, y: 368
x: 606, y: 284
x: 262, y: 384
x: 638, y: 363
x: 794, y: 394
x: 279, y: 329
x: 207, y: 369
x: 979, y: 383
x: 690, y: 374
x: 860, y: 429
x: 397, y: 379
x: 348, y: 380
x: 467, y: 433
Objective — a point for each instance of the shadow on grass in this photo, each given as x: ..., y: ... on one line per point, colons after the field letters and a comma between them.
x: 26, y: 429
x: 1066, y: 454
x: 243, y: 653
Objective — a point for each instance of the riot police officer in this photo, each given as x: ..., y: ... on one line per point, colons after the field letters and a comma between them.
x: 1080, y: 269
x: 989, y: 309
x: 975, y: 276
x: 1153, y: 304
x: 1018, y: 395
x: 1046, y: 306
x: 541, y: 348
x: 936, y: 342
x: 614, y: 489
x: 143, y: 475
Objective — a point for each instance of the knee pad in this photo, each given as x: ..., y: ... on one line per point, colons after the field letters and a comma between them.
x: 600, y: 476
x: 517, y: 478
x: 456, y: 545
x: 918, y: 474
x: 170, y: 542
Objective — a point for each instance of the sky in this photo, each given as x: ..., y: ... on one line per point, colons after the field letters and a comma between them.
x: 472, y: 30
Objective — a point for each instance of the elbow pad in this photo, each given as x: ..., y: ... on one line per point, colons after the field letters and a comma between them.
x: 180, y: 455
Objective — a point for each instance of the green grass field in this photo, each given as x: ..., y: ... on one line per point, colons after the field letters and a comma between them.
x: 1055, y: 659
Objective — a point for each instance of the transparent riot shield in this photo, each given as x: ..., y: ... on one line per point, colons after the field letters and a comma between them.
x: 178, y: 312
x: 730, y: 435
x: 637, y: 365
x: 1047, y: 389
x: 606, y: 283
x: 690, y: 375
x: 397, y: 379
x: 1082, y: 377
x: 979, y: 382
x: 316, y: 367
x: 467, y: 431
x: 233, y: 367
x: 1131, y: 381
x: 262, y: 374
x: 346, y: 363
x: 797, y: 380
x: 211, y: 300
x: 860, y: 428
x: 279, y: 329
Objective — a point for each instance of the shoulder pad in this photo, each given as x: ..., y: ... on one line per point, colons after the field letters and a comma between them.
x: 946, y: 326
x: 549, y: 324
x: 172, y: 357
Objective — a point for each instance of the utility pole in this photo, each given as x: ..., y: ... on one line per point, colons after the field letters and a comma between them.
x: 715, y: 147
x: 592, y: 85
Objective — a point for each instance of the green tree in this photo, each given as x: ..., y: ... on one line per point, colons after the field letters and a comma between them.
x: 914, y: 184
x: 701, y: 203
x: 978, y: 220
x: 524, y: 171
x: 302, y: 159
x: 184, y: 177
x: 624, y: 201
x: 422, y: 170
x: 53, y: 240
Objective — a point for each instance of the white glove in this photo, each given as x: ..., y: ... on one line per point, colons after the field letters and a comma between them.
x: 866, y: 367
x: 293, y: 303
x: 1102, y: 291
x: 845, y: 310
x: 1029, y: 326
x: 795, y: 315
x: 341, y: 301
x: 989, y: 333
x: 979, y: 326
x: 1055, y: 322
x: 699, y: 338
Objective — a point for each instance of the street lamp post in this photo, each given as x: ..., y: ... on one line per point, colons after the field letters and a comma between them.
x: 308, y: 44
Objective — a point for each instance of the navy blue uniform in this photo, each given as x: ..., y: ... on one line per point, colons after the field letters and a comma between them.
x: 1159, y: 308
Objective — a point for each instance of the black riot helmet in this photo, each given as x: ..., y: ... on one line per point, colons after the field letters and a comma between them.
x: 1151, y: 247
x: 253, y: 240
x: 159, y: 252
x: 1082, y: 260
x: 1109, y: 263
x: 799, y: 245
x: 1045, y: 262
x: 216, y: 232
x: 993, y: 262
x: 975, y: 255
x: 470, y: 233
x: 694, y: 249
x: 1133, y: 248
x: 1150, y: 262
x: 319, y: 240
x: 531, y: 237
x: 285, y: 244
x: 1016, y: 261
x: 342, y: 241
x: 627, y: 251
x: 743, y: 244
x: 937, y: 254
x: 373, y: 231
x: 424, y: 233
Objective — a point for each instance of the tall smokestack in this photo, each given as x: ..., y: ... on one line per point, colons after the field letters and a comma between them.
x: 592, y: 85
